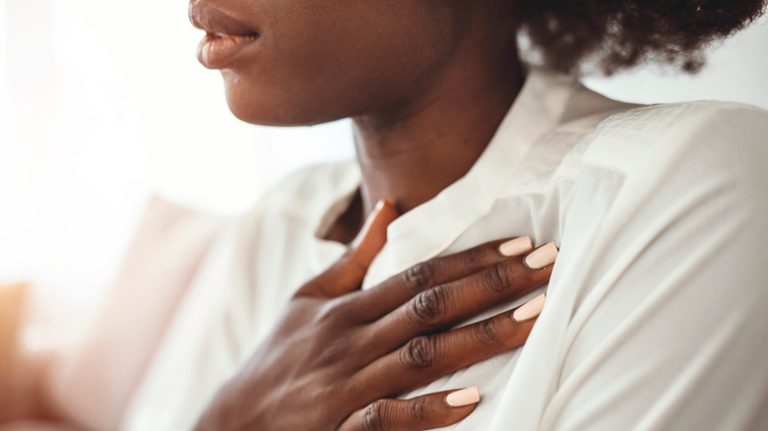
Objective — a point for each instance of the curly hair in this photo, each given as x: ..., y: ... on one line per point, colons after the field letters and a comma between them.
x: 619, y: 34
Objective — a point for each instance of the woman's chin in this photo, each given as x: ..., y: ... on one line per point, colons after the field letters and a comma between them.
x: 259, y: 111
x: 270, y: 105
x: 251, y: 114
x: 254, y: 109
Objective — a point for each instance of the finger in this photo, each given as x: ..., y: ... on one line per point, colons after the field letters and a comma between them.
x: 347, y: 273
x: 426, y: 358
x: 454, y: 302
x: 393, y: 292
x: 422, y: 413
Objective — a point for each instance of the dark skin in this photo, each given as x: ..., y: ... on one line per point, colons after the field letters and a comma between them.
x: 436, y: 137
x: 426, y: 84
x: 338, y: 355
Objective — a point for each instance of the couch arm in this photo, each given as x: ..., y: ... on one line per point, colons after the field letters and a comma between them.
x: 16, y: 380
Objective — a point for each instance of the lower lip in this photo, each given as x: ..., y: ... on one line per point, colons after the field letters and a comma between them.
x: 218, y: 51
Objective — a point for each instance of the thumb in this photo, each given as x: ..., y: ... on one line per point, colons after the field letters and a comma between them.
x: 373, y: 235
x: 347, y: 273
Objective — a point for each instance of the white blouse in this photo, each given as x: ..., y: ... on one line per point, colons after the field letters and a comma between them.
x: 657, y: 309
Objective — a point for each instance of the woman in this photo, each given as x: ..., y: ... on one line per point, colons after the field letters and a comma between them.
x: 655, y: 308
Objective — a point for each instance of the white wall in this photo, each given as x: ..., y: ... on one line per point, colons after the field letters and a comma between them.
x: 102, y: 102
x: 106, y: 104
x: 737, y: 70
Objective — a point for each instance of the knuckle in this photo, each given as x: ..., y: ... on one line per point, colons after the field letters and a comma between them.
x: 419, y: 353
x: 419, y: 276
x: 427, y: 307
x: 419, y: 410
x: 487, y: 332
x: 475, y: 255
x: 373, y: 416
x: 500, y: 277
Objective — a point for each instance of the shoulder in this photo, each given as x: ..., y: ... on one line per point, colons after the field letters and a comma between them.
x: 688, y: 123
x: 686, y: 166
x: 721, y: 136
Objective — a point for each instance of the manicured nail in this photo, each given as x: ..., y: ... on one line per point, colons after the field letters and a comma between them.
x: 517, y: 246
x: 530, y: 309
x: 463, y: 397
x: 380, y: 204
x: 542, y: 256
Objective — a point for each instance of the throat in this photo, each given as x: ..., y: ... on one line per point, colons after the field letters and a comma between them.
x: 415, y: 160
x: 411, y: 150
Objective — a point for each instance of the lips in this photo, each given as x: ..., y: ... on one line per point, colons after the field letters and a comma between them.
x: 213, y: 20
x: 226, y: 35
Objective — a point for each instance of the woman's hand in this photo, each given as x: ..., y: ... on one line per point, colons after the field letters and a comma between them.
x: 338, y: 355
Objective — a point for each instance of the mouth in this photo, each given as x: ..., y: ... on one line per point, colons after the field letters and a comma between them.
x: 225, y: 38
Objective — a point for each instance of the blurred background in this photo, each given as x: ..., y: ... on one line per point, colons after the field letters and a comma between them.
x: 103, y: 104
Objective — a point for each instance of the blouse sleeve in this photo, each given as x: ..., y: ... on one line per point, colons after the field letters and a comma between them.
x: 670, y: 312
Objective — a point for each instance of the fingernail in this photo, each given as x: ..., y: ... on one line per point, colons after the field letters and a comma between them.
x: 463, y: 397
x: 530, y: 309
x: 517, y: 246
x: 380, y: 204
x: 542, y: 256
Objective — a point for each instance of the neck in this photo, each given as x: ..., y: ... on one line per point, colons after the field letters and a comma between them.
x: 412, y: 154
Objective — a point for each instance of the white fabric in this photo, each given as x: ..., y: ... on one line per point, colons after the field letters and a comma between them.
x: 657, y: 308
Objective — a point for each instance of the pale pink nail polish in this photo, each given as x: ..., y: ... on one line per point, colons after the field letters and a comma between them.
x: 517, y: 246
x: 530, y: 309
x: 463, y: 397
x: 381, y: 203
x: 542, y: 256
